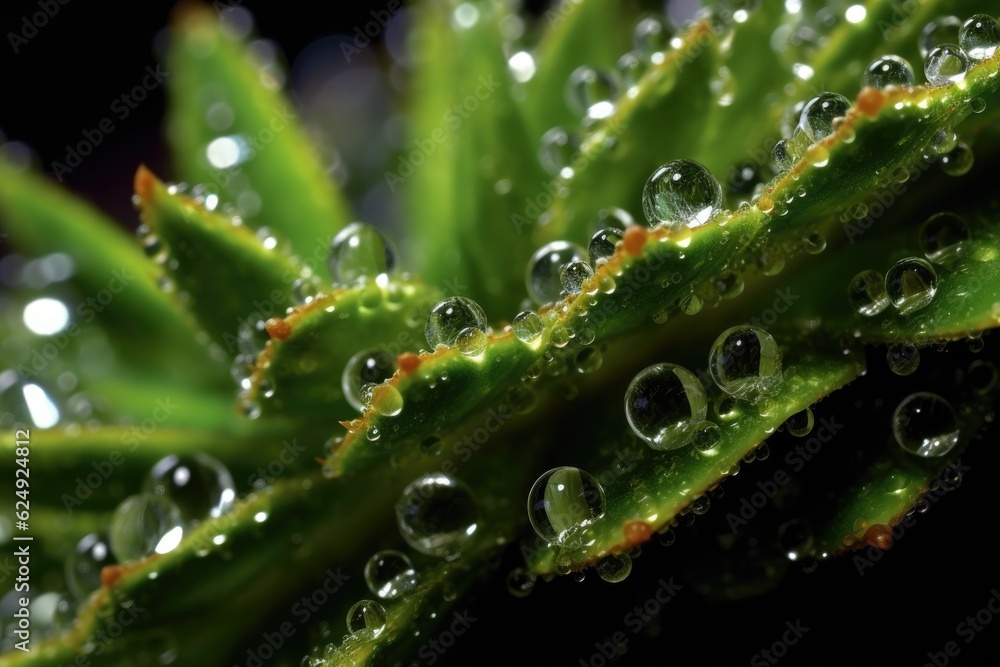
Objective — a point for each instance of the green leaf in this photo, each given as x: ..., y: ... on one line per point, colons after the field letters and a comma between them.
x: 218, y: 91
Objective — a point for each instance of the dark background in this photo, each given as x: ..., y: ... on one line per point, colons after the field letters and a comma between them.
x: 63, y: 81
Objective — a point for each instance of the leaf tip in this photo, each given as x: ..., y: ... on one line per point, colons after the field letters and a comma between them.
x: 144, y: 183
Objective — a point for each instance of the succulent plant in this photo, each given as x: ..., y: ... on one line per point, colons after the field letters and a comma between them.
x: 618, y: 281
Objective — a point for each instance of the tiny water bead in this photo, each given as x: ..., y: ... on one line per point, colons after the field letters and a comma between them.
x: 390, y: 574
x: 630, y: 68
x: 706, y: 436
x: 943, y: 236
x: 946, y: 64
x: 366, y: 368
x: 556, y: 152
x: 527, y: 326
x: 980, y: 37
x: 520, y: 582
x: 614, y: 568
x: 198, y: 484
x: 903, y: 359
x: 866, y: 293
x: 366, y: 620
x: 603, y: 243
x: 451, y: 317
x: 888, y: 71
x: 942, y: 30
x: 574, y: 274
x: 592, y: 91
x: 651, y: 36
x: 745, y: 362
x: 361, y: 252
x: 925, y: 424
x: 437, y: 515
x: 781, y: 156
x: 682, y: 193
x: 814, y: 244
x: 663, y: 403
x: 83, y: 567
x: 958, y: 161
x: 801, y: 423
x: 911, y: 284
x: 543, y: 277
x: 944, y: 141
x: 144, y: 524
x: 819, y: 113
x: 563, y: 501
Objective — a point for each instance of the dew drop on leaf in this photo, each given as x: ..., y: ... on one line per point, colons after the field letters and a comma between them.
x: 866, y: 293
x: 745, y: 362
x: 366, y: 368
x: 543, y: 275
x: 946, y: 64
x: 437, y: 515
x: 366, y: 620
x: 562, y: 502
x: 924, y: 424
x: 144, y: 524
x: 911, y: 284
x: 199, y: 485
x: 682, y: 193
x: 450, y: 317
x: 979, y: 37
x: 390, y: 574
x: 361, y: 252
x: 663, y: 403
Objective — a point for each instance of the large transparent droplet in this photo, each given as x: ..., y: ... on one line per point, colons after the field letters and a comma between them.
x: 557, y: 150
x: 866, y: 292
x: 199, y: 485
x: 888, y: 71
x: 592, y: 91
x: 450, y: 317
x: 800, y: 424
x: 682, y: 193
x: 83, y: 567
x: 145, y: 524
x: 946, y: 64
x: 979, y: 37
x: 663, y: 403
x: 563, y: 501
x: 745, y: 362
x: 366, y: 620
x: 958, y: 161
x: 543, y: 276
x: 911, y: 284
x: 527, y: 326
x: 819, y: 113
x: 366, y: 368
x: 943, y: 236
x: 437, y: 515
x: 361, y: 252
x: 390, y: 574
x: 942, y: 30
x: 925, y: 424
x: 603, y: 243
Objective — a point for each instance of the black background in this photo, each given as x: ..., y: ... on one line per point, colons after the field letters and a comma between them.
x: 63, y: 81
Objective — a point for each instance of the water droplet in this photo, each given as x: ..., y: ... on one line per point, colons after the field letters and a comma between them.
x: 83, y: 567
x: 911, y: 284
x: 682, y: 193
x: 903, y: 359
x: 361, y: 252
x: 745, y: 362
x: 795, y: 538
x: 437, y: 515
x: 800, y: 424
x: 982, y: 376
x: 663, y: 403
x: 924, y: 424
x: 385, y: 399
x: 520, y: 582
x: 977, y: 104
x: 562, y: 502
x: 472, y: 342
x: 691, y: 304
x: 771, y: 261
x: 958, y: 161
x: 527, y: 326
x: 557, y: 150
x: 589, y: 360
x: 574, y: 274
x: 651, y: 36
x: 942, y: 30
x: 819, y: 113
x: 943, y: 236
x: 366, y: 620
x: 592, y: 91
x: 602, y: 244
x: 198, y: 484
x: 303, y: 291
x: 888, y: 71
x: 614, y: 568
x: 946, y: 64
x: 706, y: 436
x: 944, y: 141
x: 867, y: 294
x: 452, y: 316
x: 543, y: 277
x: 979, y: 37
x: 390, y: 574
x: 782, y: 157
x: 613, y: 218
x: 559, y: 336
x: 364, y: 369
x: 144, y: 524
x: 630, y: 68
